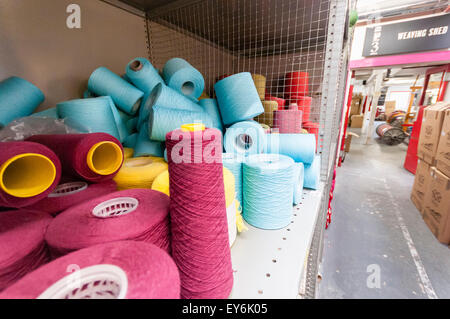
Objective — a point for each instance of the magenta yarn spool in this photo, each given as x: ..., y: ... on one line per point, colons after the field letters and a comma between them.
x: 22, y: 245
x: 200, y: 241
x: 288, y: 121
x: 119, y: 270
x: 9, y: 150
x: 72, y: 193
x: 134, y: 214
x: 73, y: 149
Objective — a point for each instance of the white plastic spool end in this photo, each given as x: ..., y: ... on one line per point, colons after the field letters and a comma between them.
x: 115, y: 207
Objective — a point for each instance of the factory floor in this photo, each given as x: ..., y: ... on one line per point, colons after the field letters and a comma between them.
x: 377, y: 245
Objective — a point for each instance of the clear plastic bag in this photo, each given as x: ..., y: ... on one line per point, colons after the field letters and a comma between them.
x: 22, y: 128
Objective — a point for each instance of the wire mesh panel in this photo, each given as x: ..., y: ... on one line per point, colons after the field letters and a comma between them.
x: 332, y: 100
x: 283, y: 43
x: 294, y: 50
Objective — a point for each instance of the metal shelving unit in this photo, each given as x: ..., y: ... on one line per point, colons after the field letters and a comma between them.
x: 270, y: 264
x: 269, y: 37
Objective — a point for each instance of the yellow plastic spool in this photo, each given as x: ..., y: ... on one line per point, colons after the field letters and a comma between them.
x: 104, y: 158
x: 194, y: 127
x: 139, y: 172
x: 161, y: 184
x: 239, y: 220
x: 229, y: 184
x: 27, y: 175
x: 128, y: 152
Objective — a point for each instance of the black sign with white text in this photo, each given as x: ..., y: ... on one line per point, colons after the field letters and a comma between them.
x: 410, y: 36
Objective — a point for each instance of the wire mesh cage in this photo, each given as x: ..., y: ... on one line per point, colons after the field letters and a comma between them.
x: 282, y: 43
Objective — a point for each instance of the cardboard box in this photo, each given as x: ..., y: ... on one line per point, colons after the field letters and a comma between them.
x: 389, y: 107
x: 348, y: 141
x: 355, y: 109
x: 420, y: 186
x: 443, y: 149
x: 437, y: 205
x: 433, y: 117
x: 357, y: 121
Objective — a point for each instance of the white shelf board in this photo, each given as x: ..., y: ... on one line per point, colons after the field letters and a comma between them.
x: 269, y: 264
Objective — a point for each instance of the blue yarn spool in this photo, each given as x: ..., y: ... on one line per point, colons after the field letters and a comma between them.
x: 144, y: 111
x: 104, y: 82
x: 301, y: 147
x: 120, y: 124
x: 52, y: 113
x: 131, y: 140
x: 299, y: 172
x: 145, y: 147
x: 143, y: 75
x: 88, y: 94
x: 183, y: 78
x: 268, y: 191
x: 126, y: 78
x: 164, y: 96
x: 18, y: 98
x: 234, y: 163
x: 96, y: 114
x: 165, y: 155
x: 164, y: 120
x: 210, y: 106
x: 132, y: 125
x: 125, y: 117
x: 238, y: 98
x: 245, y: 138
x: 312, y: 174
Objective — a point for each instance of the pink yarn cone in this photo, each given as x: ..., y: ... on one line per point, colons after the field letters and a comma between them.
x: 72, y: 150
x: 200, y: 245
x: 288, y: 121
x: 12, y: 149
x: 72, y: 193
x: 148, y: 273
x: 22, y: 246
x: 134, y: 214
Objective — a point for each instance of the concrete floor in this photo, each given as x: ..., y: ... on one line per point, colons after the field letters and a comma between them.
x: 377, y: 245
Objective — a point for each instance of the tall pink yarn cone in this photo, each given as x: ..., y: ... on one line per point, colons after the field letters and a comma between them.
x: 134, y: 214
x: 22, y: 245
x: 200, y: 245
x: 145, y: 272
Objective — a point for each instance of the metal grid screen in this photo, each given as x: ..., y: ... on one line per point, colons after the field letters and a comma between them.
x: 271, y: 38
x: 266, y: 37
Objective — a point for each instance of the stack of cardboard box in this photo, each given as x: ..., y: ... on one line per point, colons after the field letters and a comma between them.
x: 355, y: 107
x: 431, y: 190
x: 356, y: 119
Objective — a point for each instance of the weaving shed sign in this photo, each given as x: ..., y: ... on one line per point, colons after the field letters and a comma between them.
x: 410, y: 36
